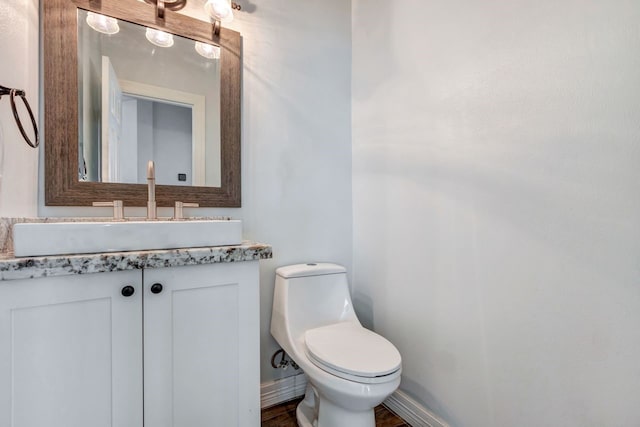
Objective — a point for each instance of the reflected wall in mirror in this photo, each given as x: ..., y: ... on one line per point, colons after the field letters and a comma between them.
x: 147, y: 98
x: 135, y: 89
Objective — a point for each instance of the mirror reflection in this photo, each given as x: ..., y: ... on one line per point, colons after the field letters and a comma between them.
x: 146, y: 95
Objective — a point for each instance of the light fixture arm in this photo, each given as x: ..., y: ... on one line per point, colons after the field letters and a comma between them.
x: 163, y: 5
x: 220, y: 11
x: 160, y: 8
x: 216, y: 25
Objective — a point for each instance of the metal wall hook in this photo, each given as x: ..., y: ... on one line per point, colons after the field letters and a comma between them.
x: 21, y: 93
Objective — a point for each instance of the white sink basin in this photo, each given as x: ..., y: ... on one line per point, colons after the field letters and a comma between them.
x: 61, y: 238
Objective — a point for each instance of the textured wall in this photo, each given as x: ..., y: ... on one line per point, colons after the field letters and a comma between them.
x: 496, y: 177
x: 18, y: 69
x: 297, y: 138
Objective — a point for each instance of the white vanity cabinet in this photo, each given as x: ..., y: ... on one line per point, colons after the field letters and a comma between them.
x: 79, y: 350
x: 71, y: 351
x: 202, y: 346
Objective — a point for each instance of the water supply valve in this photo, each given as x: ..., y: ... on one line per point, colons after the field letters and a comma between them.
x: 285, y: 361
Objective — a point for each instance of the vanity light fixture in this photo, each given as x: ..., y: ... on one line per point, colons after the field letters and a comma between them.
x: 102, y: 24
x: 220, y: 11
x: 159, y: 38
x: 207, y: 50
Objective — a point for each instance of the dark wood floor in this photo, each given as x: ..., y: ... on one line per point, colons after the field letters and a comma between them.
x: 284, y: 415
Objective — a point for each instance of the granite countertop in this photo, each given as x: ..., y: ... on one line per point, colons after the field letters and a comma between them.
x: 12, y: 268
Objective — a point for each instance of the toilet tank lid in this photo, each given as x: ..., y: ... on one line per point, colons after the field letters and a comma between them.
x: 309, y: 269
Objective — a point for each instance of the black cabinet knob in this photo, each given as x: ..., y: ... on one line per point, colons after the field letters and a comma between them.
x: 127, y: 291
x: 156, y: 288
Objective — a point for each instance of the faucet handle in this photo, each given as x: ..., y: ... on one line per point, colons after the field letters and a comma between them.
x: 178, y: 213
x: 118, y: 208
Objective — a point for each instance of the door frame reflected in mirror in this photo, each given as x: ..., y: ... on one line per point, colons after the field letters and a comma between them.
x: 60, y: 51
x: 186, y: 99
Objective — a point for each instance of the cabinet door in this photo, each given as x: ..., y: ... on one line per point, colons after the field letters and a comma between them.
x: 202, y: 346
x: 71, y: 351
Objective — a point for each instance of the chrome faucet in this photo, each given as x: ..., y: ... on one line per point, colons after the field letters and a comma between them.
x: 152, y: 211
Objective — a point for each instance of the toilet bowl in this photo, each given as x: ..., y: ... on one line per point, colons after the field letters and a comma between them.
x: 350, y: 369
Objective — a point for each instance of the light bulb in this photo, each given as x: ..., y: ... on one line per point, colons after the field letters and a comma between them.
x: 102, y: 24
x: 207, y: 50
x: 159, y: 38
x: 219, y: 10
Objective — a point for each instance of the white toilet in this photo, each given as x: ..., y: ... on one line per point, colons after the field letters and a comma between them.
x: 350, y: 370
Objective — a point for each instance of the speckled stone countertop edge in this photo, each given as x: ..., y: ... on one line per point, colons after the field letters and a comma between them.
x: 12, y: 268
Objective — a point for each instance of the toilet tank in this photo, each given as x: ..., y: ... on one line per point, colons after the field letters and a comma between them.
x: 308, y: 296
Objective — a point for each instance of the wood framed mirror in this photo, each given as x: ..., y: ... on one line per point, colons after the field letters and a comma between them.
x: 67, y: 182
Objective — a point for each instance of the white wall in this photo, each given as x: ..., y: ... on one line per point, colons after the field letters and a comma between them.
x: 18, y: 69
x: 296, y: 135
x: 296, y: 181
x: 496, y: 184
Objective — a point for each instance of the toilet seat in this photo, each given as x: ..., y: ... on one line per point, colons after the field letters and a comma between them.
x: 352, y: 352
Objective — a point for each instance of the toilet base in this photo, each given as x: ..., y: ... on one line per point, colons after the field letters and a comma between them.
x: 330, y: 414
x: 306, y: 410
x: 304, y: 415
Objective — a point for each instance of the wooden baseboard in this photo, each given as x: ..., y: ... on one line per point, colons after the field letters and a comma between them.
x: 282, y: 390
x: 411, y: 411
